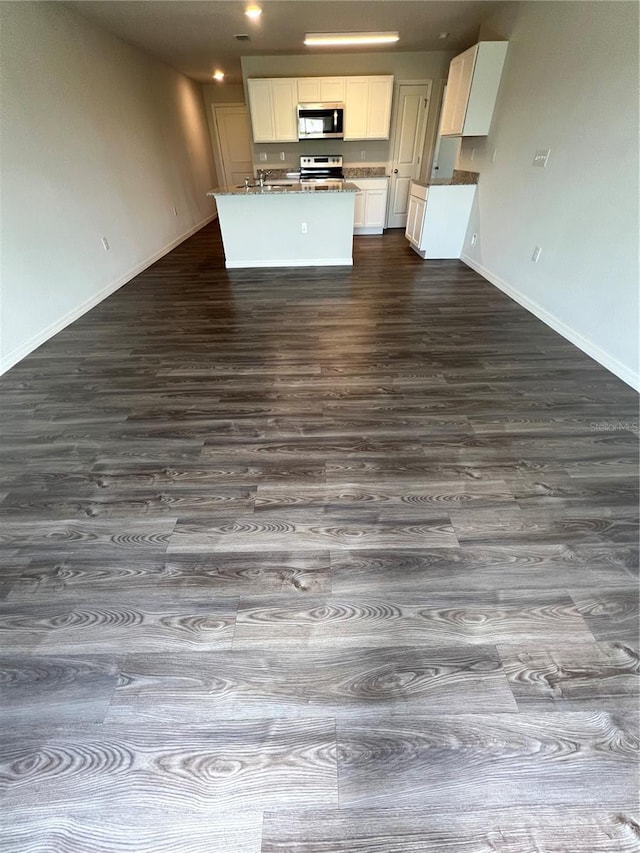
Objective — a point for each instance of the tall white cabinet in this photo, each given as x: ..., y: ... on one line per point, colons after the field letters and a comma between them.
x: 472, y: 89
x: 367, y: 107
x: 272, y: 105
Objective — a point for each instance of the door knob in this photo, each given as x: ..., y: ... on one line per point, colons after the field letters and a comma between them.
x: 395, y: 171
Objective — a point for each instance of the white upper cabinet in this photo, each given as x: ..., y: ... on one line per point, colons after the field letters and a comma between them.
x: 272, y: 106
x: 367, y: 107
x: 285, y: 114
x: 472, y: 89
x: 318, y: 90
x: 261, y: 110
x: 273, y: 102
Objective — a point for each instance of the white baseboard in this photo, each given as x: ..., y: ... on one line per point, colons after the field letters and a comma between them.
x: 301, y: 262
x: 37, y: 340
x: 587, y: 346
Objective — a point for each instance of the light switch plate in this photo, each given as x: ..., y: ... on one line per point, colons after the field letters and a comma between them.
x: 263, y: 156
x: 541, y: 157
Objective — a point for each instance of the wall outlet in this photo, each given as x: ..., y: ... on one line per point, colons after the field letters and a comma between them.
x: 494, y: 155
x: 105, y: 244
x: 474, y: 239
x: 536, y: 254
x: 541, y: 157
x: 175, y: 211
x: 473, y: 153
x: 303, y: 227
x: 282, y: 155
x: 363, y: 155
x: 262, y: 156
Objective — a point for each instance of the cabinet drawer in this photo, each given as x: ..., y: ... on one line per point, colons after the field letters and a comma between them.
x: 418, y: 190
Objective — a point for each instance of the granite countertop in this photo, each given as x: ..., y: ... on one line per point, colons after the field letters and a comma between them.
x: 288, y: 189
x: 365, y: 172
x: 349, y: 172
x: 459, y: 178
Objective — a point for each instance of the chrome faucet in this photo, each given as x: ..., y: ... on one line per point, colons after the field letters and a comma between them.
x: 262, y: 174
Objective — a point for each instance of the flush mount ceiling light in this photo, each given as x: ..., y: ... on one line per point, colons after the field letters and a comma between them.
x: 332, y: 39
x: 443, y: 35
x: 218, y: 75
x: 253, y: 12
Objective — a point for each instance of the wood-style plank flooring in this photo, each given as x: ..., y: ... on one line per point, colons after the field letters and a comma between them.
x: 317, y: 561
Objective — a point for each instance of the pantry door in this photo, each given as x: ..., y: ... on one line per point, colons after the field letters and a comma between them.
x: 234, y: 161
x: 412, y: 108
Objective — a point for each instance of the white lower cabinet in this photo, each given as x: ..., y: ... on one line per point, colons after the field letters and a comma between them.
x: 371, y: 205
x: 437, y: 219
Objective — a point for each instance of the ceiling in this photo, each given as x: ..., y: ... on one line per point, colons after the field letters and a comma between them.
x: 198, y: 37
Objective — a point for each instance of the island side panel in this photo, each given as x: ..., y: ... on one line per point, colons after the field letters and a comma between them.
x: 267, y: 230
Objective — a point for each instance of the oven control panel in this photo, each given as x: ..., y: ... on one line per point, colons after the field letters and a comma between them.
x: 327, y: 161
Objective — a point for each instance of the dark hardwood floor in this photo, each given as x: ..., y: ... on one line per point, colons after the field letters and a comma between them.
x: 317, y: 561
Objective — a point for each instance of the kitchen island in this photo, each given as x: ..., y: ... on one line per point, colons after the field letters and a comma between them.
x: 287, y: 225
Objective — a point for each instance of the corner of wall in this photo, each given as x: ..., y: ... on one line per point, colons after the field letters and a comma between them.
x: 630, y: 377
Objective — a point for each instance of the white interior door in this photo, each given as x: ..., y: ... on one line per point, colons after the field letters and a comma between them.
x: 408, y: 142
x: 233, y: 135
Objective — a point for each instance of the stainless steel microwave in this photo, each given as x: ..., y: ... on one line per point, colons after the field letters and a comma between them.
x: 320, y: 121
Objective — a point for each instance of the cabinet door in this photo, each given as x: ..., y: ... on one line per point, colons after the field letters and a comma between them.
x: 332, y: 89
x: 375, y: 208
x: 465, y: 76
x: 315, y: 90
x: 261, y: 110
x: 368, y: 107
x: 449, y: 105
x: 412, y: 210
x: 418, y: 227
x: 284, y: 98
x: 379, y: 111
x: 356, y: 107
x: 415, y: 220
x: 309, y: 90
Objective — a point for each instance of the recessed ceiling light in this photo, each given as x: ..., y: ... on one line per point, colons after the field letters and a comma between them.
x: 253, y: 12
x: 443, y: 35
x: 321, y: 39
x: 218, y: 75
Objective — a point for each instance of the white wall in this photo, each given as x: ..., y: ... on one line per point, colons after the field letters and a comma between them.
x: 97, y: 139
x: 570, y: 84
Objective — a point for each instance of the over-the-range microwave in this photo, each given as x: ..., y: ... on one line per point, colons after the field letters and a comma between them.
x: 320, y: 121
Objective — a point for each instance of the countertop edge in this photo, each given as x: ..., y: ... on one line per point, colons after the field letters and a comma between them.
x: 279, y: 189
